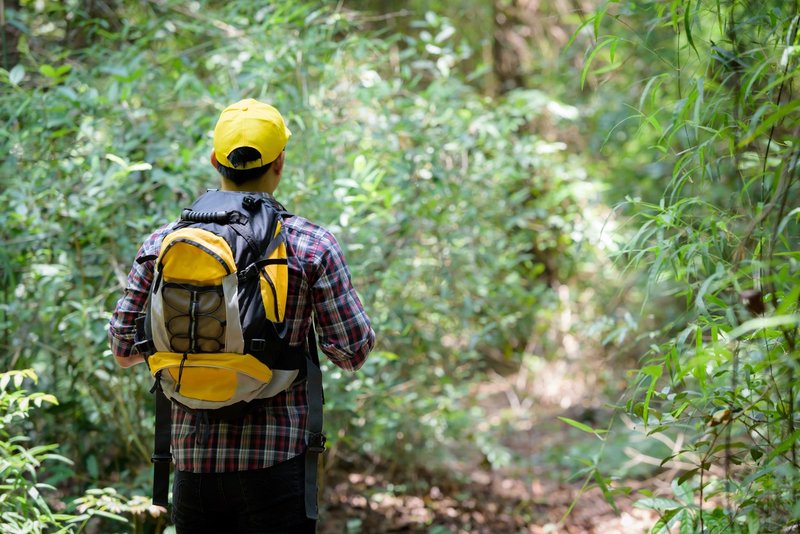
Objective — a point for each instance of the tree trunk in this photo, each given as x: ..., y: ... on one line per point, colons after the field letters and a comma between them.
x: 529, y: 35
x: 9, y: 35
x: 506, y: 49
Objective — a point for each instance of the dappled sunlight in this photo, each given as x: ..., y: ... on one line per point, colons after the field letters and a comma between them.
x: 487, y: 503
x: 573, y: 224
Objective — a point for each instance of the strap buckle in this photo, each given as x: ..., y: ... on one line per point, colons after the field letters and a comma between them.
x: 257, y: 346
x: 160, y: 458
x: 316, y: 443
x: 249, y: 272
x: 251, y: 203
x: 145, y: 347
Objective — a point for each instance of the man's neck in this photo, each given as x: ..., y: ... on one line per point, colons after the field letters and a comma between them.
x: 253, y: 186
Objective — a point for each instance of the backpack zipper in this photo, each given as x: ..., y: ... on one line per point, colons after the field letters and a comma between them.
x: 180, y: 373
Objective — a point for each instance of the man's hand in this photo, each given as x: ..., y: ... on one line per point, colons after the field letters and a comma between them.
x: 128, y: 361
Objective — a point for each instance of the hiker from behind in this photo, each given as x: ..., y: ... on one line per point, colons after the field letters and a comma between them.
x: 222, y: 304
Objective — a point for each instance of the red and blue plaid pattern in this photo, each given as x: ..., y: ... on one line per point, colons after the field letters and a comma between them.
x: 319, y: 282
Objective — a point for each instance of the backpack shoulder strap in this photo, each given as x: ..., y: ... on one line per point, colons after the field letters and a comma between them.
x: 314, y: 435
x: 162, y: 457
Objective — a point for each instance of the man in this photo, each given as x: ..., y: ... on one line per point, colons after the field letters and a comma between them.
x: 246, y: 475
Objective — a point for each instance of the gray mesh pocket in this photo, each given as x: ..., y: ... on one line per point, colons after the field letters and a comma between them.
x: 194, y: 317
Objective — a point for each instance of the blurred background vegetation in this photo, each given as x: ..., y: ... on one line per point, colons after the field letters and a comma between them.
x: 574, y: 224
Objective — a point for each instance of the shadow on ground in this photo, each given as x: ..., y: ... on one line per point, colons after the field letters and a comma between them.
x: 530, y: 495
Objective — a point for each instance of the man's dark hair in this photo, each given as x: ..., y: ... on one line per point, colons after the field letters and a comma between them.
x: 239, y: 158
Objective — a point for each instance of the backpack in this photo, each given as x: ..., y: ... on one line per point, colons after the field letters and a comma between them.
x: 214, y: 333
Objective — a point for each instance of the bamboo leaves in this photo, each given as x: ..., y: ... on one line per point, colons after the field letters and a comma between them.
x: 724, y: 236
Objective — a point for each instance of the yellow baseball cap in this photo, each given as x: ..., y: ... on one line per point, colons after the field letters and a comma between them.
x: 250, y: 123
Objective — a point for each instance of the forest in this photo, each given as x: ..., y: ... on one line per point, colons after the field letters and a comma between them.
x: 574, y: 224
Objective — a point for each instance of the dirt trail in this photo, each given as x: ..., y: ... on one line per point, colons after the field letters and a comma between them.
x: 489, y: 504
x: 528, y: 496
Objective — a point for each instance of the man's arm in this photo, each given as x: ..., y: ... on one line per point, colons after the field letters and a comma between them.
x: 122, y: 327
x: 345, y: 331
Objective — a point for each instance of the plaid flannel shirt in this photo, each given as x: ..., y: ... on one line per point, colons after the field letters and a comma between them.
x: 319, y: 281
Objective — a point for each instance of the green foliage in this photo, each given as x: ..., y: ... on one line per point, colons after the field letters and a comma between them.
x: 22, y: 505
x: 719, y: 245
x: 458, y: 217
x: 29, y: 502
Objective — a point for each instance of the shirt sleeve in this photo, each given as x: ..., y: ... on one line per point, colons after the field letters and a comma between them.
x: 122, y: 327
x: 345, y: 332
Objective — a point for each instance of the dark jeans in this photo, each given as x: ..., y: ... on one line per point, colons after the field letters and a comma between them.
x: 264, y: 501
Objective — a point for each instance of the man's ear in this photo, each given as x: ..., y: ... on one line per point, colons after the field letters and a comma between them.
x: 213, y: 159
x: 277, y: 165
